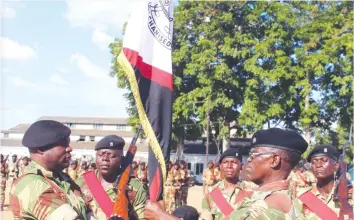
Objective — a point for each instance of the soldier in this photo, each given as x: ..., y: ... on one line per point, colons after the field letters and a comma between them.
x: 275, y: 152
x: 142, y: 172
x: 14, y: 170
x: 177, y: 183
x: 73, y: 169
x: 84, y: 167
x: 44, y: 191
x: 229, y: 188
x: 169, y: 190
x: 208, y: 177
x: 185, y: 176
x: 324, y: 164
x: 25, y: 163
x: 109, y: 154
x: 92, y: 167
x: 218, y: 175
x: 302, y: 178
x: 135, y: 168
x: 4, y: 176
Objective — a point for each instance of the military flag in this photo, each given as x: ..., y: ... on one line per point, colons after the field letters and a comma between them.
x: 147, y: 62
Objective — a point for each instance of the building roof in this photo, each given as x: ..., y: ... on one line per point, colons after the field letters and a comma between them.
x: 86, y: 120
x: 22, y: 128
x: 82, y: 145
x: 197, y: 149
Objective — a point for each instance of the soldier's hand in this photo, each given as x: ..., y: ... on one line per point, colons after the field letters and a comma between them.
x: 153, y: 209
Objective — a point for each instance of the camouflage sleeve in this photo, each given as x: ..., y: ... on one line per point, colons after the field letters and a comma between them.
x: 258, y: 213
x: 33, y: 198
x: 205, y: 202
x: 140, y: 197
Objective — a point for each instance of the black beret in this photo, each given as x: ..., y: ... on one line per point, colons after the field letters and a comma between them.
x: 324, y: 150
x: 110, y: 142
x: 44, y: 133
x: 186, y: 213
x: 279, y: 138
x: 231, y: 152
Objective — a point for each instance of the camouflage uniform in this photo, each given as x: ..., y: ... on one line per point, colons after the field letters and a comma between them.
x: 40, y: 194
x: 13, y: 172
x: 328, y: 201
x: 178, y: 181
x: 4, y: 172
x: 208, y: 178
x: 72, y: 173
x: 137, y: 193
x: 169, y: 193
x: 208, y: 205
x: 255, y: 207
x: 185, y: 175
x: 142, y: 175
x: 304, y: 179
x: 218, y: 175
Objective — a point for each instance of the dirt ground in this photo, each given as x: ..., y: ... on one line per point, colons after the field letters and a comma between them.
x: 195, y: 195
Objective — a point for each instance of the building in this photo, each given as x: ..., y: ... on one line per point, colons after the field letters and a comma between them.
x: 85, y: 133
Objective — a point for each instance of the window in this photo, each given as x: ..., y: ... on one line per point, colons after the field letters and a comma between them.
x: 92, y: 138
x: 121, y: 127
x: 199, y: 167
x: 70, y: 125
x: 82, y: 138
x: 6, y: 135
x: 97, y: 126
x: 189, y: 165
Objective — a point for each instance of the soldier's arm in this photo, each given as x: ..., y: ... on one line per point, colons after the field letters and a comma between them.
x: 33, y: 196
x: 140, y: 200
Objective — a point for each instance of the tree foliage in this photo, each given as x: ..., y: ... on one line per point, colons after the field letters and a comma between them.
x: 286, y: 64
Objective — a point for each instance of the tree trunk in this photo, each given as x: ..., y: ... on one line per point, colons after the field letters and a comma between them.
x: 307, y: 107
x: 180, y: 147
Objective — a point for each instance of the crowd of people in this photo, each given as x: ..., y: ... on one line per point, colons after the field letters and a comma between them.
x: 51, y: 185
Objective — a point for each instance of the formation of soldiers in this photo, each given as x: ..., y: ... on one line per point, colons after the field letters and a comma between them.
x: 50, y: 185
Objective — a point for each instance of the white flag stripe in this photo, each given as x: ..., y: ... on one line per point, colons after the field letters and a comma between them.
x: 155, y: 49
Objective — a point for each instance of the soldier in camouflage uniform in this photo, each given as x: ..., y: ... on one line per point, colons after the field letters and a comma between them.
x: 44, y: 191
x: 275, y: 152
x: 169, y: 190
x: 218, y: 175
x: 109, y: 152
x: 324, y: 164
x: 185, y: 177
x: 208, y: 177
x: 230, y: 187
x: 84, y: 167
x: 14, y: 170
x: 73, y: 169
x: 142, y: 172
x: 177, y: 183
x: 4, y: 175
x: 24, y: 165
x: 302, y: 178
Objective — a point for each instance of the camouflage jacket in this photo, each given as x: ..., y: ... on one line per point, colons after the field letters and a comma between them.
x: 40, y: 194
x: 209, y: 177
x: 137, y: 196
x: 255, y: 206
x: 209, y: 205
x: 304, y: 179
x: 328, y: 201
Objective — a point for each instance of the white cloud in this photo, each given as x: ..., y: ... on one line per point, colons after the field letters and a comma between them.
x: 7, y: 12
x: 57, y: 79
x: 12, y: 50
x: 19, y: 82
x: 87, y: 67
x: 98, y: 13
x: 101, y: 39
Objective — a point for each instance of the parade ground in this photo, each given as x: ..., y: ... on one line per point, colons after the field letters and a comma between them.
x: 194, y: 199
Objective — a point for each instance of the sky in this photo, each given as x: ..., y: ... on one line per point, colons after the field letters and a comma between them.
x: 55, y: 59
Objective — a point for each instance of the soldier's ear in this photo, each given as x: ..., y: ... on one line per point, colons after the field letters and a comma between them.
x: 275, y: 162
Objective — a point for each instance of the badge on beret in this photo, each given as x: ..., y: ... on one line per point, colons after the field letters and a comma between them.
x: 254, y: 140
x: 111, y: 144
x: 236, y: 154
x: 325, y: 150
